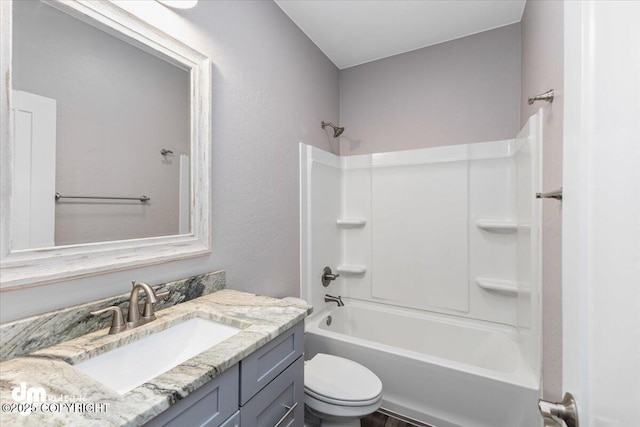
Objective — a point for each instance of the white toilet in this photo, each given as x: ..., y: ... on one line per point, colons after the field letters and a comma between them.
x: 339, y: 391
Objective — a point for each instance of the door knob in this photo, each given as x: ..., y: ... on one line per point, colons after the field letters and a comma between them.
x: 566, y: 410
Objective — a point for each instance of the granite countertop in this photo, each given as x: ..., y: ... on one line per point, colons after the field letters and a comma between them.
x: 76, y: 399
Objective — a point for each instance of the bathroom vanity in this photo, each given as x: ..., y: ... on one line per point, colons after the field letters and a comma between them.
x: 266, y: 388
x: 252, y: 378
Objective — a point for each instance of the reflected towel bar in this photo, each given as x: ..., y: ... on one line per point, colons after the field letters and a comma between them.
x: 143, y: 199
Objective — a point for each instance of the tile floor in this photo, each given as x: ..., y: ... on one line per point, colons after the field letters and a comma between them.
x: 378, y: 419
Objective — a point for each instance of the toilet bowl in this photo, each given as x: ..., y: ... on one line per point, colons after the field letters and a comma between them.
x: 339, y: 391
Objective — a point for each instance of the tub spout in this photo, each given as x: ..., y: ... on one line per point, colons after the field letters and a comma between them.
x: 331, y: 298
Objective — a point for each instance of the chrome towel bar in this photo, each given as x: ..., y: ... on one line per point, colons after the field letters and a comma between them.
x: 143, y: 199
x: 550, y: 195
x: 547, y: 96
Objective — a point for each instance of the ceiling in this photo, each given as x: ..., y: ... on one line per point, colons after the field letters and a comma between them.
x: 352, y: 32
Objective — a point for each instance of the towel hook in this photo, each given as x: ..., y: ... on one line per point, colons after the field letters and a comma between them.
x: 547, y: 96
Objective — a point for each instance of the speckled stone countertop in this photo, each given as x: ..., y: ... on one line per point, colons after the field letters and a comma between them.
x: 89, y: 403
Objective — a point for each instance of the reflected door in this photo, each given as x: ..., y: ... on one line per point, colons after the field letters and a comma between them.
x: 34, y: 173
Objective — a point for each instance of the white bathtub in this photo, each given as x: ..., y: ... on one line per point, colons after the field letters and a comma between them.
x: 439, y: 370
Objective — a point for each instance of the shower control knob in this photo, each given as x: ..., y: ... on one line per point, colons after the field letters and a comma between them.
x: 328, y: 276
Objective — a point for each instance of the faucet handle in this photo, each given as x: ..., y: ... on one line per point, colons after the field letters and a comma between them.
x: 328, y: 276
x: 162, y: 295
x: 117, y: 323
x: 148, y: 313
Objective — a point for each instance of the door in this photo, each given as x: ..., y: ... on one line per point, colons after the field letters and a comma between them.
x: 34, y: 174
x: 601, y: 212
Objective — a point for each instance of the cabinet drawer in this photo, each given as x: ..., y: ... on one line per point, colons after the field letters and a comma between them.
x: 208, y: 406
x: 266, y: 363
x: 281, y: 403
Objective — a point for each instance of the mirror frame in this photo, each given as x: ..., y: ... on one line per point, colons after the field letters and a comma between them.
x: 32, y: 267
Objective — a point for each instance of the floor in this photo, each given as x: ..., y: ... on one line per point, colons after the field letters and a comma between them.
x: 378, y: 419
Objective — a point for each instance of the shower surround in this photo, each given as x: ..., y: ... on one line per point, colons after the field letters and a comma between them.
x: 450, y: 234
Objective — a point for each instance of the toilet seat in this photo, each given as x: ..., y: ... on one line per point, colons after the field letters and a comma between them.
x: 342, y: 382
x: 329, y: 400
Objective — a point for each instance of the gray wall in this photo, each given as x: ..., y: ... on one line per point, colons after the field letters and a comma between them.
x: 116, y: 109
x: 543, y: 69
x: 271, y: 88
x: 463, y: 91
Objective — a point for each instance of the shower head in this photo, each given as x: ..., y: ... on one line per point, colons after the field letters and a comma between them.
x: 337, y: 131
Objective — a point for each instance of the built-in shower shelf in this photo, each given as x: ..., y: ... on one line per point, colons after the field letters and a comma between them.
x: 351, y: 222
x: 351, y: 269
x: 508, y: 287
x: 497, y: 225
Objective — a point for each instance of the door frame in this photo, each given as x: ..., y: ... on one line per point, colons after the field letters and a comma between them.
x: 601, y: 211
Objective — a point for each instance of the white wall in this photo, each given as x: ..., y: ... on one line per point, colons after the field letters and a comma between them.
x: 463, y: 91
x: 543, y: 69
x: 117, y: 107
x: 271, y: 88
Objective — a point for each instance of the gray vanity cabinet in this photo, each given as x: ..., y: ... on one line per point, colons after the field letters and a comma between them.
x: 208, y: 406
x: 265, y: 389
x: 261, y: 367
x: 272, y: 382
x: 280, y: 403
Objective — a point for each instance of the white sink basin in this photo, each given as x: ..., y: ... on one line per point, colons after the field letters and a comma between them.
x: 126, y: 367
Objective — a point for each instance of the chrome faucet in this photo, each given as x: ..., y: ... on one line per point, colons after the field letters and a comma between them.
x: 331, y: 298
x: 134, y: 319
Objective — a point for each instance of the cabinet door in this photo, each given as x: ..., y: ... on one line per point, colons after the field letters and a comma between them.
x: 280, y: 403
x: 266, y: 363
x: 208, y: 406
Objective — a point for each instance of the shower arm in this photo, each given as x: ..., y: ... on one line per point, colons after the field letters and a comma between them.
x: 337, y: 130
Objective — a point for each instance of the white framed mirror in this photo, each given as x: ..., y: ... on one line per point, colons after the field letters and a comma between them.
x: 105, y: 143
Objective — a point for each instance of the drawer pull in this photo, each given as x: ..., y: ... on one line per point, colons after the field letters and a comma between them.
x: 290, y: 409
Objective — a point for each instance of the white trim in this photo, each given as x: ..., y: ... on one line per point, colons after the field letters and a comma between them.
x: 601, y: 206
x: 34, y: 267
x: 305, y: 218
x: 575, y: 207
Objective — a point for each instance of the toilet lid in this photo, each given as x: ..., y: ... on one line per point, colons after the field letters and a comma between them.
x: 340, y: 380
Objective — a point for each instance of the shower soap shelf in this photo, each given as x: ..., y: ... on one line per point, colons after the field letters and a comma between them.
x: 495, y: 225
x: 351, y: 269
x: 503, y: 286
x: 351, y: 222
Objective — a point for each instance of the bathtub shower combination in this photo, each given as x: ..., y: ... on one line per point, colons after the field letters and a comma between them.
x: 439, y: 260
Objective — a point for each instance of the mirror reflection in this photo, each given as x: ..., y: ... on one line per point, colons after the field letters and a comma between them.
x: 94, y: 116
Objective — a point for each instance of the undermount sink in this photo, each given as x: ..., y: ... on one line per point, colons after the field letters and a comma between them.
x: 131, y: 365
